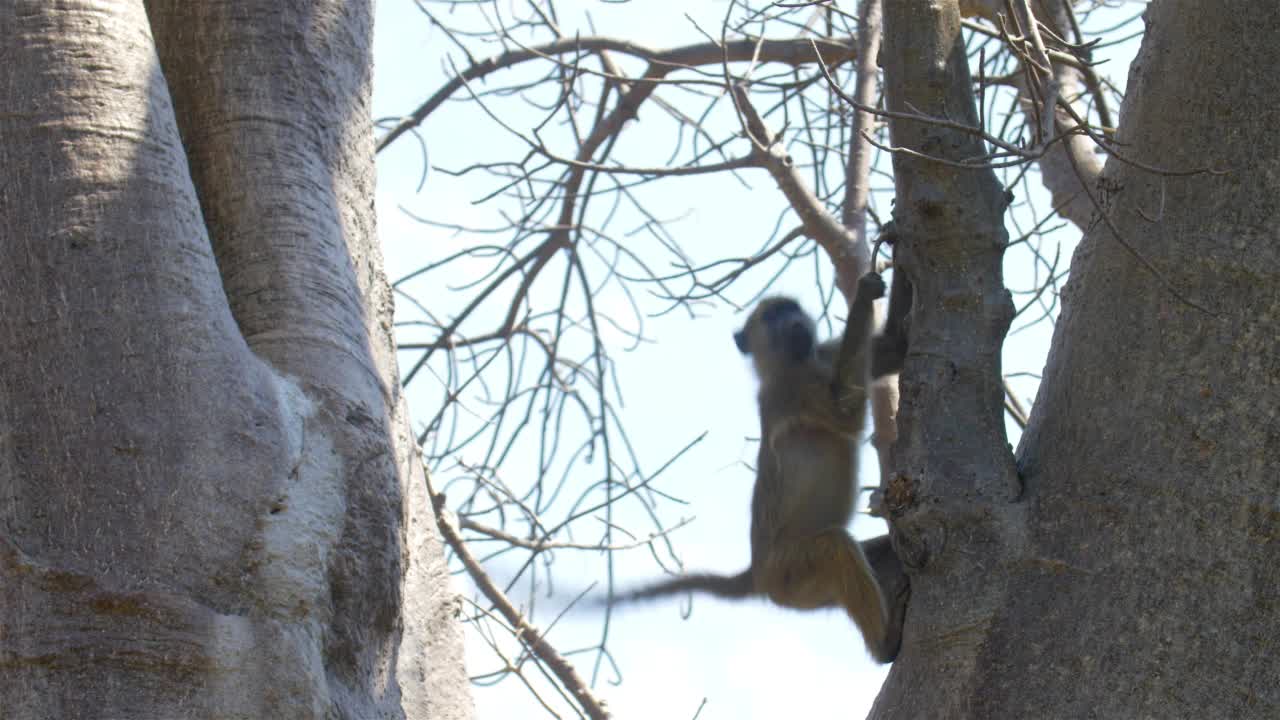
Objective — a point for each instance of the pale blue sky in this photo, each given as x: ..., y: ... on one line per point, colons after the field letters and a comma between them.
x: 749, y: 659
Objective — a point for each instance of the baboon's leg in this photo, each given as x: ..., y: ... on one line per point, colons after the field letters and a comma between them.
x: 828, y: 570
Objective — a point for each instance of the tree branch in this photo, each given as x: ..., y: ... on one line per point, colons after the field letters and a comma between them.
x: 529, y: 635
x: 792, y: 51
x: 834, y: 238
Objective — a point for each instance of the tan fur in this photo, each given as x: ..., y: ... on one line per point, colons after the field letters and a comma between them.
x: 806, y: 472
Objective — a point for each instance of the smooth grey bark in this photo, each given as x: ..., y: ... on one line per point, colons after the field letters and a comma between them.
x: 1152, y: 461
x: 954, y: 474
x: 1137, y: 573
x: 210, y: 504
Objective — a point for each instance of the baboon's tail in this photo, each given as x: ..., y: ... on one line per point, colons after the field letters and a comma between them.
x: 725, y: 586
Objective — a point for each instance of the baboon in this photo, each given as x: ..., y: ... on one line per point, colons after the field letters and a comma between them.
x: 812, y: 401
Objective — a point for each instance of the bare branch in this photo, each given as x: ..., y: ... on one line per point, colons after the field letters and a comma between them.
x: 534, y: 640
x: 793, y: 51
x: 849, y: 259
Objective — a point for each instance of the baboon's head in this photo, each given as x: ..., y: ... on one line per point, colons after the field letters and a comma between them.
x: 777, y: 333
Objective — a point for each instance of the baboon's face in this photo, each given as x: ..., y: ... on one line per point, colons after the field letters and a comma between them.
x: 777, y: 331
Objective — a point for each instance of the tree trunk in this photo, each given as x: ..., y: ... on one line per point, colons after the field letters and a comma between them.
x: 1137, y: 574
x: 210, y: 503
x: 954, y: 471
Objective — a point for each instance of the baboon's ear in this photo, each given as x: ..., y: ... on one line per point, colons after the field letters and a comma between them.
x: 740, y: 339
